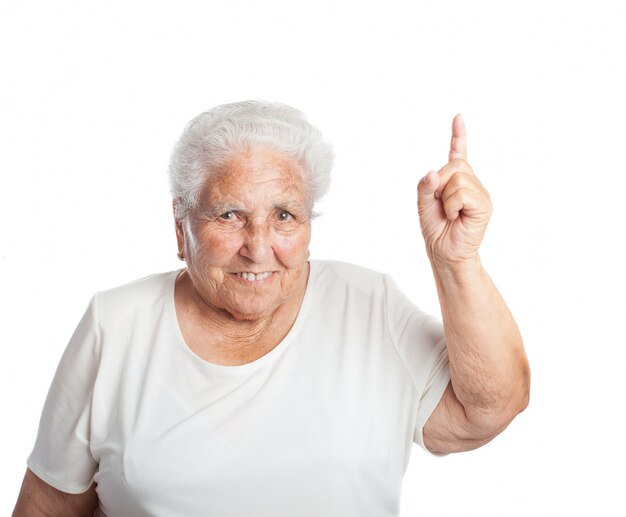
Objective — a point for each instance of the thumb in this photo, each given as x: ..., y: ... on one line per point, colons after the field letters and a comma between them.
x: 426, y: 189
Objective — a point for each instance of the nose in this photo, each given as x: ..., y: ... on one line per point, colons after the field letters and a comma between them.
x: 256, y: 245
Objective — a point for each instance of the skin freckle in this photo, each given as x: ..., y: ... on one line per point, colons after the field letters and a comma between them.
x: 256, y: 186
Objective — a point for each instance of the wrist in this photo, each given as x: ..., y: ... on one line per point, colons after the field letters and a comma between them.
x: 456, y: 271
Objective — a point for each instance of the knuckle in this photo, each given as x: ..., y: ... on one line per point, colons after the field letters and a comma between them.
x: 462, y: 180
x: 458, y: 162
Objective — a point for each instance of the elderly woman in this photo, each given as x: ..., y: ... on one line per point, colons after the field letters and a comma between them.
x: 255, y: 382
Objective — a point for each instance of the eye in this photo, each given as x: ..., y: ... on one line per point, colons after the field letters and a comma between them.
x: 228, y: 216
x: 283, y: 216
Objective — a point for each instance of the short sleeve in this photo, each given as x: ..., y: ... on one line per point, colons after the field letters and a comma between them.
x: 420, y: 343
x: 62, y: 456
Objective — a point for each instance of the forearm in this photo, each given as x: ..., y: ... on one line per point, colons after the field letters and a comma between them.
x: 488, y: 366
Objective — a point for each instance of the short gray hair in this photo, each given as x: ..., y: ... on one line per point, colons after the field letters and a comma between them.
x: 215, y: 136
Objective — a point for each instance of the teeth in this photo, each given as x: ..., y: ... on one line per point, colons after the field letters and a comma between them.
x: 251, y: 277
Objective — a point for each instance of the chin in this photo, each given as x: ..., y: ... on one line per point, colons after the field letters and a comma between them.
x: 248, y: 316
x: 253, y: 311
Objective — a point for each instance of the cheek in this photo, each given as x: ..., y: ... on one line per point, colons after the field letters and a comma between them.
x: 217, y: 250
x: 292, y: 249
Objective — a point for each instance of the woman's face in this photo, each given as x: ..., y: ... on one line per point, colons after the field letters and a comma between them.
x: 246, y: 245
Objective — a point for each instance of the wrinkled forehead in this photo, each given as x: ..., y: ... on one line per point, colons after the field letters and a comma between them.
x: 255, y: 178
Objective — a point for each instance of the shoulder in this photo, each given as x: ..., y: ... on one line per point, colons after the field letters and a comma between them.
x: 126, y: 300
x: 355, y: 285
x: 337, y: 273
x: 332, y: 276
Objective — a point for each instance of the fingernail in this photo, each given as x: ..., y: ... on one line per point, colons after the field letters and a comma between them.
x: 426, y: 180
x: 437, y: 194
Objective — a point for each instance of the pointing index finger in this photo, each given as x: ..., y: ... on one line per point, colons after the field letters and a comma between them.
x: 458, y: 140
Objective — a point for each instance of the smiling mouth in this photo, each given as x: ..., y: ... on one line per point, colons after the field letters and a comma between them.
x: 253, y: 277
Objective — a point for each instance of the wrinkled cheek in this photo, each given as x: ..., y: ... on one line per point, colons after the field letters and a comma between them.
x: 292, y: 249
x: 211, y: 252
x: 219, y: 251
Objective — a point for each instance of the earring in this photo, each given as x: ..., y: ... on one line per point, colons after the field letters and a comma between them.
x: 180, y: 256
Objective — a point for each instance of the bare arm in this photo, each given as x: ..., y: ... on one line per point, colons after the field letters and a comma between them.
x: 489, y: 372
x: 38, y: 499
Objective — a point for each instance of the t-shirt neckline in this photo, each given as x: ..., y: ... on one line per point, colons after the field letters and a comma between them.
x: 271, y: 356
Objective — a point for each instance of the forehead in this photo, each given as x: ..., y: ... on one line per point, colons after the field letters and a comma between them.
x: 254, y: 176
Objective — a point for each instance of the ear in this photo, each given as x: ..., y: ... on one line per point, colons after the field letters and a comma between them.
x: 180, y: 232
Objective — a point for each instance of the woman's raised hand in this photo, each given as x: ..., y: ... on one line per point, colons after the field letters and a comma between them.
x: 454, y: 208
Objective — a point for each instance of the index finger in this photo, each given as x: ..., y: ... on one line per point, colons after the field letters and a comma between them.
x: 458, y: 140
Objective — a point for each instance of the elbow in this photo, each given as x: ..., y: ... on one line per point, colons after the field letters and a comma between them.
x: 517, y: 397
x: 506, y: 405
x: 524, y: 388
x: 514, y: 408
x: 489, y: 424
x: 518, y: 400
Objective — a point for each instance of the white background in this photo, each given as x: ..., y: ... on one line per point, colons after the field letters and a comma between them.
x: 94, y: 94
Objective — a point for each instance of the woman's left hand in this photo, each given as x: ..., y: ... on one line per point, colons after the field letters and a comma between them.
x: 454, y: 208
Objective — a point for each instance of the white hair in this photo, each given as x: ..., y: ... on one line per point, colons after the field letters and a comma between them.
x: 215, y: 136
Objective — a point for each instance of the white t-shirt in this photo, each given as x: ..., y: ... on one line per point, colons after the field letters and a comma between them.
x: 322, y: 425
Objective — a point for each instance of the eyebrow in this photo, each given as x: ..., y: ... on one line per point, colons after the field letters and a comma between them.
x: 218, y: 209
x: 291, y: 207
x: 221, y: 208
